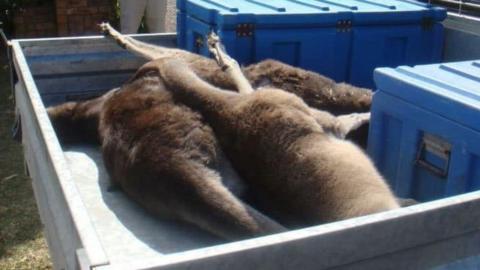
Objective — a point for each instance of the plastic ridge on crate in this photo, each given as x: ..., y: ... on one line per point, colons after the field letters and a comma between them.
x: 344, y: 40
x: 425, y: 129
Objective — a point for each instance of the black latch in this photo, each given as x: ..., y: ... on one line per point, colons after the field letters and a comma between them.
x: 199, y: 42
x: 245, y: 30
x: 438, y: 150
x: 344, y: 26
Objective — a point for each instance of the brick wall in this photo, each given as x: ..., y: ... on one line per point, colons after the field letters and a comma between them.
x: 37, y: 21
x: 80, y: 17
x: 62, y: 18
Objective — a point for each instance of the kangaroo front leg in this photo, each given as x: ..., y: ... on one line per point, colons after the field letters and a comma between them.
x: 228, y: 64
x: 350, y: 122
x: 340, y: 125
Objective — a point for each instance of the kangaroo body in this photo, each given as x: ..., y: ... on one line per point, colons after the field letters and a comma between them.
x: 300, y: 173
x: 163, y: 156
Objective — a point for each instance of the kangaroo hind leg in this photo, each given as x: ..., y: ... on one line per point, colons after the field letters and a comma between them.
x: 210, y: 205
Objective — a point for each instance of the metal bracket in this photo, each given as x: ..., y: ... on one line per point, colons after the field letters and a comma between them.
x: 199, y: 43
x: 344, y: 26
x: 245, y: 30
x: 437, y: 147
x: 4, y: 38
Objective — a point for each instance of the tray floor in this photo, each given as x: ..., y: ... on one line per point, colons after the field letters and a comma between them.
x: 126, y: 231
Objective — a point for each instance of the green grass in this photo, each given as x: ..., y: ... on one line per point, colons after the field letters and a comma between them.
x: 22, y: 242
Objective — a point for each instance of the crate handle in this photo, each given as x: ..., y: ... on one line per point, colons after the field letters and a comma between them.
x: 438, y: 147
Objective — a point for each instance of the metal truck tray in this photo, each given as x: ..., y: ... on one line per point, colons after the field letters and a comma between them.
x: 88, y: 227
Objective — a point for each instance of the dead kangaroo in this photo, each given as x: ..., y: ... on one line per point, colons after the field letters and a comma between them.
x: 162, y: 155
x: 301, y: 174
x: 316, y: 90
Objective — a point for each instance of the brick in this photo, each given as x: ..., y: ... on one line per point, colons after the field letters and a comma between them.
x: 76, y: 29
x: 62, y: 19
x: 43, y: 26
x: 35, y: 21
x: 20, y: 28
x: 75, y: 19
x: 61, y: 4
x: 62, y: 32
x: 77, y: 3
x: 79, y: 17
x: 17, y: 19
x: 62, y: 11
x: 40, y: 11
x: 105, y: 9
x: 83, y: 11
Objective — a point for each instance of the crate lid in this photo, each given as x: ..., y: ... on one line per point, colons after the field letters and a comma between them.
x: 451, y: 90
x: 309, y: 12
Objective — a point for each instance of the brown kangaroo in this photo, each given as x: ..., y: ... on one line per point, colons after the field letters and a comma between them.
x: 163, y: 156
x: 301, y: 174
x: 316, y: 90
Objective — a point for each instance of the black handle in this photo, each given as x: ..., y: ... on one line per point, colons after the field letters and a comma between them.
x: 439, y: 148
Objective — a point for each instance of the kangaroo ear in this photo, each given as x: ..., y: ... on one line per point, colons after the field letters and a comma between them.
x: 146, y: 69
x: 155, y: 67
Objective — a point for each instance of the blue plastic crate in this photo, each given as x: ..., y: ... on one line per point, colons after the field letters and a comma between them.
x: 342, y: 39
x: 425, y: 129
x: 181, y: 18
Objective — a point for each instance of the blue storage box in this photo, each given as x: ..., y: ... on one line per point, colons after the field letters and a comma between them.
x: 342, y: 39
x: 425, y: 129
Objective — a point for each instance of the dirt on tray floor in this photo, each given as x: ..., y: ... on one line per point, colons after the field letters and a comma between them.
x: 22, y: 241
